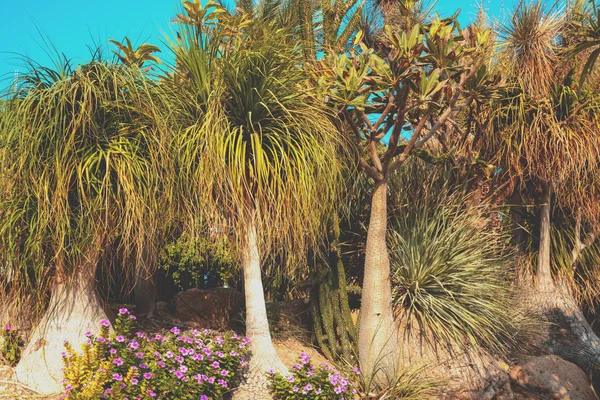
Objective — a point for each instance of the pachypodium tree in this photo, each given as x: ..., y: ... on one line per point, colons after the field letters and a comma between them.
x: 83, y: 167
x: 394, y: 103
x: 257, y: 152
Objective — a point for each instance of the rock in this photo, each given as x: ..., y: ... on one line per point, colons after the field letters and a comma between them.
x: 162, y: 307
x: 551, y: 377
x: 209, y: 308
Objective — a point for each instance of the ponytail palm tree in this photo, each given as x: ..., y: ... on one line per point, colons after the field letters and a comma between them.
x: 81, y: 163
x: 547, y: 137
x: 258, y: 155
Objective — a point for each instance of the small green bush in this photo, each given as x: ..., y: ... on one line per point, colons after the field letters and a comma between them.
x: 123, y: 365
x: 11, y: 345
x: 197, y: 262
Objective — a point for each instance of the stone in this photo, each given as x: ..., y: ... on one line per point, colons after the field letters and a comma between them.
x: 551, y: 377
x: 209, y: 308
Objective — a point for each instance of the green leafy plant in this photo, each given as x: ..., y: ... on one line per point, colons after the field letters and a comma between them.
x: 178, y: 365
x: 11, y: 344
x: 198, y: 262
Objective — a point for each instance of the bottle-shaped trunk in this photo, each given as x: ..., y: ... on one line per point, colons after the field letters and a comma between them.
x: 377, y: 338
x: 74, y: 309
x: 263, y: 356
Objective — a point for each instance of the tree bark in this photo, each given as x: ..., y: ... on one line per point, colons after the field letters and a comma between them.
x: 378, y: 336
x: 263, y: 356
x: 545, y: 283
x: 74, y: 309
x: 569, y: 334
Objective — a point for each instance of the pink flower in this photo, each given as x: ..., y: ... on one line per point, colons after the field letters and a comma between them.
x: 224, y: 372
x: 105, y: 323
x: 152, y: 393
x: 139, y: 355
x: 113, y: 351
x: 215, y: 364
x: 68, y: 387
x: 175, y: 330
x: 160, y: 364
x: 356, y: 370
x: 222, y: 382
x: 117, y: 377
x: 123, y: 311
x: 148, y: 375
x: 118, y: 362
x: 305, y: 358
x: 134, y: 345
x: 144, y: 366
x: 120, y: 338
x: 203, y: 397
x: 179, y: 374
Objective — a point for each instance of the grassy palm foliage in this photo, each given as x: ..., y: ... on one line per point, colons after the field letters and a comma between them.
x: 252, y: 142
x: 545, y: 129
x: 81, y: 160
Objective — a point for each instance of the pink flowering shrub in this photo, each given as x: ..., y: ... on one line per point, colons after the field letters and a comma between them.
x: 309, y: 383
x: 179, y: 365
x: 11, y: 345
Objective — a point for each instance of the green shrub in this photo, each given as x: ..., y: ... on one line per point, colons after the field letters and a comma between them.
x: 121, y: 365
x: 450, y: 277
x: 198, y: 262
x: 11, y: 345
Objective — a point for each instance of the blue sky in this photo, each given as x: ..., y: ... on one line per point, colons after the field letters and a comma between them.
x: 72, y: 25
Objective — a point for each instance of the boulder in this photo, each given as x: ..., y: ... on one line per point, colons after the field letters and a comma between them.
x: 209, y: 308
x: 551, y: 377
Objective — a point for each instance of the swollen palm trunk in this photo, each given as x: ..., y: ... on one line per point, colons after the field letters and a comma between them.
x: 569, y: 334
x: 377, y: 336
x: 74, y: 309
x: 263, y: 355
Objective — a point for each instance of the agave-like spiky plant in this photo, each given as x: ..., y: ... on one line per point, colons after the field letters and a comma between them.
x: 82, y: 164
x: 450, y: 272
x: 258, y: 155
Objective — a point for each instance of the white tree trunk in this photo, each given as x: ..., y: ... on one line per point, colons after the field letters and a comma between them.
x: 263, y: 356
x: 378, y: 336
x: 545, y: 283
x: 74, y: 309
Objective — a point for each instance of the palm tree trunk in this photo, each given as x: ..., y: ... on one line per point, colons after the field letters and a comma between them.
x: 569, y: 334
x: 544, y: 272
x: 74, y: 309
x: 263, y: 356
x: 378, y: 337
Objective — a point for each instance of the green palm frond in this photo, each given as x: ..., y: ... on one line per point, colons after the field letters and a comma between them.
x: 83, y: 159
x: 135, y: 57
